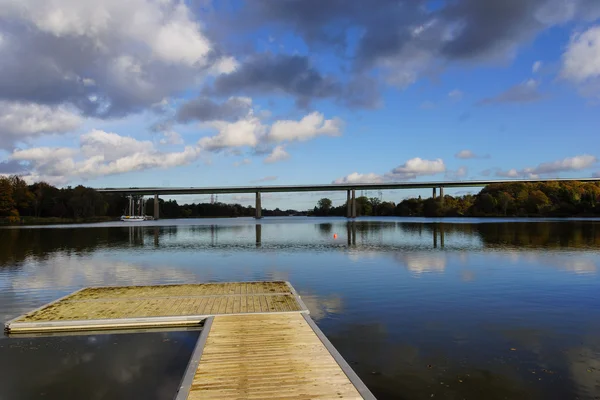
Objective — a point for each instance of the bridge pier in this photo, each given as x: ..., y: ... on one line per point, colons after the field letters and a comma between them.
x: 442, y: 195
x: 258, y: 232
x: 434, y: 193
x: 156, y: 207
x: 348, y: 205
x: 258, y: 206
x: 353, y: 214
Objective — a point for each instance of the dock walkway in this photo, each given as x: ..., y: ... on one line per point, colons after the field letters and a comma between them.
x: 257, y: 340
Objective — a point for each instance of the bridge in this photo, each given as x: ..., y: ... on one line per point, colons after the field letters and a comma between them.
x: 350, y: 189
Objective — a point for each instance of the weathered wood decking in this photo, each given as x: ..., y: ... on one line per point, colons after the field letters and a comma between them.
x: 267, y: 356
x: 257, y: 340
x: 152, y: 306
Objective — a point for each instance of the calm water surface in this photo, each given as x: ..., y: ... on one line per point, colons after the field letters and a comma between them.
x: 449, y: 309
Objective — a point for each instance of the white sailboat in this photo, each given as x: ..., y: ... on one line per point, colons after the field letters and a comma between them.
x: 130, y: 214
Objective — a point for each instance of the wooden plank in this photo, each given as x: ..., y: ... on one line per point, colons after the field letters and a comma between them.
x: 258, y: 356
x: 138, y: 305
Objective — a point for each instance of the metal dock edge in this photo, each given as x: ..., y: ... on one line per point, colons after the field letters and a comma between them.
x: 356, y: 381
x: 190, y: 371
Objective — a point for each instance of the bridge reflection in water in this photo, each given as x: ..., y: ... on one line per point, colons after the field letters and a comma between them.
x: 387, y: 235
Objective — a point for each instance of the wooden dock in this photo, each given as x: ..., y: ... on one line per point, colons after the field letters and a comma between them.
x: 123, y: 307
x: 257, y: 341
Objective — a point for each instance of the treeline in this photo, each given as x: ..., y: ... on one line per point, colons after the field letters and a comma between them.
x: 170, y: 209
x: 20, y: 202
x: 41, y: 200
x: 551, y: 199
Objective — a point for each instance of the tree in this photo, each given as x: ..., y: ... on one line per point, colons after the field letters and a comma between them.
x: 363, y: 206
x: 505, y: 200
x: 324, y: 206
x: 7, y: 204
x: 386, y: 208
x: 487, y: 203
x: 409, y: 208
x: 21, y: 195
x: 537, y: 202
x: 374, y: 202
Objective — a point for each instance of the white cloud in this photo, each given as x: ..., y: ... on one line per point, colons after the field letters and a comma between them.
x: 455, y: 95
x: 406, y: 67
x: 38, y: 154
x: 355, y: 177
x: 468, y: 154
x: 312, y: 125
x: 251, y: 132
x: 112, y: 146
x: 100, y: 154
x: 511, y: 173
x: 409, y: 170
x: 166, y: 27
x: 417, y: 167
x: 171, y: 137
x: 465, y: 154
x: 224, y: 65
x: 576, y: 163
x: 109, y: 57
x: 245, y: 132
x: 461, y: 172
x: 581, y: 60
x: 278, y: 154
x: 568, y: 164
x: 525, y: 92
x: 21, y: 122
x: 245, y: 161
x: 535, y: 68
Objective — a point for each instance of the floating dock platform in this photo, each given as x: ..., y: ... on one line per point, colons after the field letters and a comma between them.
x: 257, y: 341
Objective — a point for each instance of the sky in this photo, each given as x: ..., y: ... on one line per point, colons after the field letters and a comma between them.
x: 108, y: 93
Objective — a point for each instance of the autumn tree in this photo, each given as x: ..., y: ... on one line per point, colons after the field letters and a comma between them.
x: 7, y: 203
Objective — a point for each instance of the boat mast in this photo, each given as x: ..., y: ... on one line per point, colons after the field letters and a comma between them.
x: 131, y: 205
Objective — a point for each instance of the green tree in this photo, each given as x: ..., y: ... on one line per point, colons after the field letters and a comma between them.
x: 324, y: 206
x: 386, y: 208
x: 374, y: 202
x: 487, y: 203
x: 505, y: 201
x: 363, y: 206
x: 22, y: 196
x: 7, y: 203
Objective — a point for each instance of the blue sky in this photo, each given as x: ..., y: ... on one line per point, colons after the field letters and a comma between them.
x: 202, y: 93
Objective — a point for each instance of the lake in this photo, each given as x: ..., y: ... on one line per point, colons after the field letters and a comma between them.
x: 420, y: 308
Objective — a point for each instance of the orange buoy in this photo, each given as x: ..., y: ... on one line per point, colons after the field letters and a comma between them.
x: 335, y: 235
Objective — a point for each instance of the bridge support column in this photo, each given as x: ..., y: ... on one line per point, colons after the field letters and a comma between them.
x: 442, y: 195
x: 353, y: 204
x: 348, y: 205
x: 156, y: 216
x: 434, y: 193
x: 258, y: 232
x: 258, y: 206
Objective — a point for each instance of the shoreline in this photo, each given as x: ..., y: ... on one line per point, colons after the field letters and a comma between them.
x: 37, y: 221
x: 26, y: 221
